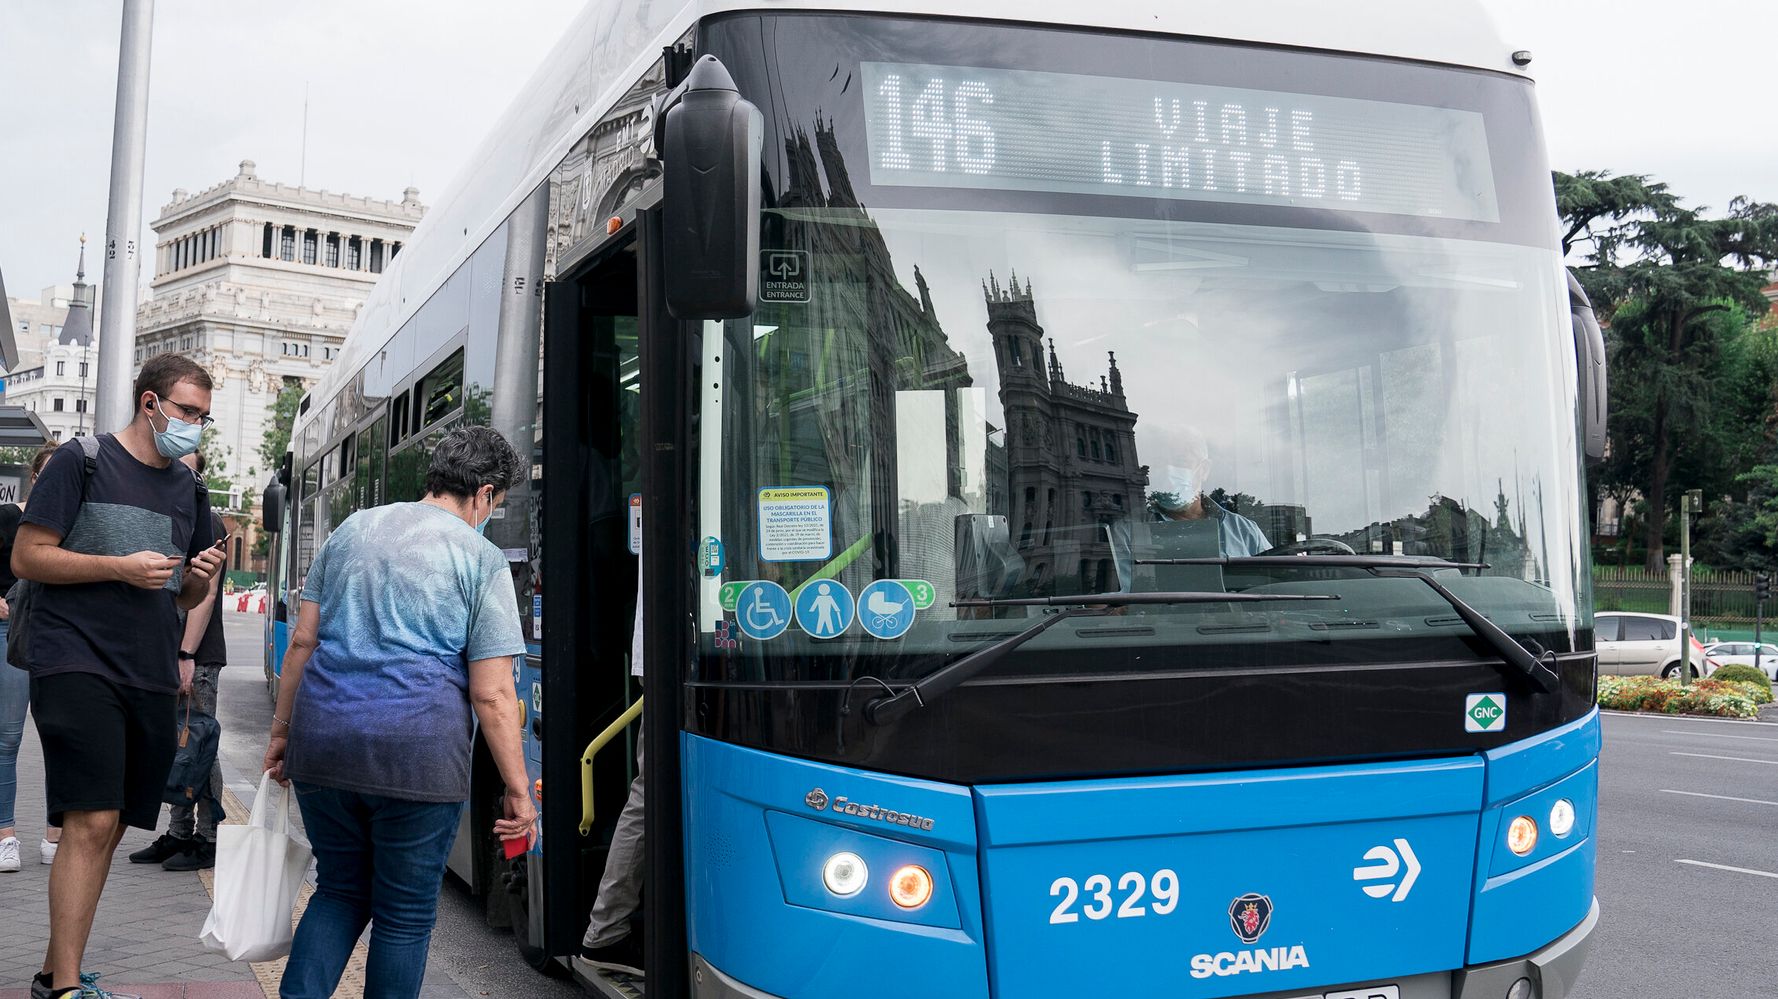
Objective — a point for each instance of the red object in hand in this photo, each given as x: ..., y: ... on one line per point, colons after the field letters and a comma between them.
x: 516, y: 846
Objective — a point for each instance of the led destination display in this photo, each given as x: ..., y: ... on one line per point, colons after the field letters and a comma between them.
x: 950, y: 126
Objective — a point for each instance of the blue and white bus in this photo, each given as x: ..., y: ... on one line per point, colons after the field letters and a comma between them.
x: 1110, y: 479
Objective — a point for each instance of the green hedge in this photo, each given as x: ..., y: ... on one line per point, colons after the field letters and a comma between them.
x: 1755, y: 680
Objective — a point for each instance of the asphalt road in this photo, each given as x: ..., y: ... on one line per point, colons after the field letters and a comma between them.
x: 1688, y: 855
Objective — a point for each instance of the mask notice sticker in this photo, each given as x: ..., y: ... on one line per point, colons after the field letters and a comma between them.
x: 1484, y: 713
x: 795, y: 524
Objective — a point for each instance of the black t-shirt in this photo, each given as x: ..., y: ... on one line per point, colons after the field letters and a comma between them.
x: 212, y: 650
x: 10, y: 515
x: 122, y: 632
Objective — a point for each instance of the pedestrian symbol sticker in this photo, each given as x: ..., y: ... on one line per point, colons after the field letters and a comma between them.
x: 825, y: 609
x: 764, y: 610
x: 1485, y: 713
x: 922, y: 592
x: 886, y: 609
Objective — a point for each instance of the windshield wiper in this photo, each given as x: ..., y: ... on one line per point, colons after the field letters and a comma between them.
x: 889, y: 707
x: 1520, y: 663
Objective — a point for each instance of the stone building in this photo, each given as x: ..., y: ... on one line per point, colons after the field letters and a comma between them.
x: 56, y: 377
x: 260, y: 282
x: 1071, y: 457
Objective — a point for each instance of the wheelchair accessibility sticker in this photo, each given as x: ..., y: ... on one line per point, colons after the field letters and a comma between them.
x: 763, y: 611
x: 886, y: 609
x: 825, y: 609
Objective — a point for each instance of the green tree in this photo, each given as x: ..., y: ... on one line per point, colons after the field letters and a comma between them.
x: 1668, y: 279
x: 216, y: 459
x: 280, y: 418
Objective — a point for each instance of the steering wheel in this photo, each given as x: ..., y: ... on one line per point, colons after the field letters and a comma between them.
x: 1324, y: 546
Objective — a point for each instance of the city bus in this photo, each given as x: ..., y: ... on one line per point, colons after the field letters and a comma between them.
x: 1109, y: 482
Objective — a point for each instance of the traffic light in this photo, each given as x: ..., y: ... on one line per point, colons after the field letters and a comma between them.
x: 1762, y: 587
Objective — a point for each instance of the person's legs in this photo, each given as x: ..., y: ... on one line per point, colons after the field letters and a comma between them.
x: 620, y: 888
x: 195, y: 824
x: 412, y: 840
x: 84, y: 724
x: 15, y: 697
x: 338, y: 826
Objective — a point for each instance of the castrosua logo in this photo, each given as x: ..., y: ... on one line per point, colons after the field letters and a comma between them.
x: 1484, y: 713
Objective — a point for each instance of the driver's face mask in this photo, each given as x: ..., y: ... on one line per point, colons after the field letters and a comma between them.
x: 1180, y: 488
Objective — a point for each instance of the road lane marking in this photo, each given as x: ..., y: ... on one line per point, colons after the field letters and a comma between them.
x: 1719, y: 797
x: 1732, y: 759
x: 1686, y: 719
x: 1725, y: 867
x: 1721, y: 735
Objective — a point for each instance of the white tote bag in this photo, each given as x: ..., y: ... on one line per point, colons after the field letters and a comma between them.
x: 259, y: 869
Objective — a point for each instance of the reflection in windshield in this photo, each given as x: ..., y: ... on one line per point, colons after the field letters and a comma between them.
x: 1027, y: 405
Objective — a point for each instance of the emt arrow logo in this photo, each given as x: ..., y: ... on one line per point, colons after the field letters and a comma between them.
x: 1388, y: 866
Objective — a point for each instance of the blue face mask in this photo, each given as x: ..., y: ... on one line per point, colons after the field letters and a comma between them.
x: 1180, y: 489
x: 482, y: 528
x: 179, y: 438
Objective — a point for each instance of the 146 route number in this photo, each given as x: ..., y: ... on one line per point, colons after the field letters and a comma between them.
x: 1141, y: 895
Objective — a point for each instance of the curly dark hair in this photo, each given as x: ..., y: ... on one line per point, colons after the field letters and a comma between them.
x: 469, y: 458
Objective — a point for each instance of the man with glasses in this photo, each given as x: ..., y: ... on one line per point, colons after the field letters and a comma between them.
x: 117, y: 533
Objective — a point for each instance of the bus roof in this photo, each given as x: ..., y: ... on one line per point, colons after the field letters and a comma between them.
x: 611, y: 42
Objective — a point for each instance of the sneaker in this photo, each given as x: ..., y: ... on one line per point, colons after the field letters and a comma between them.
x: 624, y: 956
x: 198, y: 855
x: 158, y: 851
x: 89, y: 989
x: 41, y: 988
x: 9, y: 854
x: 47, y: 851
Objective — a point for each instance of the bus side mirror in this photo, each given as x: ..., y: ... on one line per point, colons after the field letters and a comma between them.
x: 1589, y: 346
x: 710, y: 142
x: 271, y: 508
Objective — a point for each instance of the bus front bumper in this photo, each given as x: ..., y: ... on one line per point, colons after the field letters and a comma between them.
x: 1552, y: 972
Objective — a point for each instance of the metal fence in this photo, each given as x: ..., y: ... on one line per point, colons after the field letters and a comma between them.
x: 1720, y: 600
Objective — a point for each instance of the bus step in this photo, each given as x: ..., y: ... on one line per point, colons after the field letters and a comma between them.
x: 612, y: 984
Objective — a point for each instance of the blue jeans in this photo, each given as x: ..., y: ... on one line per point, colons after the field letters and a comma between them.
x: 379, y: 860
x: 15, y: 696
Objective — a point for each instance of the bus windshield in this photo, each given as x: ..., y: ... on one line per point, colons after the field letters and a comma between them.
x: 1027, y: 381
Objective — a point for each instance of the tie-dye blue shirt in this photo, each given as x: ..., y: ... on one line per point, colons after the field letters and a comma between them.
x: 409, y: 595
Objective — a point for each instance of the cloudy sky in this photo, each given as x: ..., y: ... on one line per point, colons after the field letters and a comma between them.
x: 399, y: 90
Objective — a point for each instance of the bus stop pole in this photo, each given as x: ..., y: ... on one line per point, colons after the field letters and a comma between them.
x: 1689, y: 503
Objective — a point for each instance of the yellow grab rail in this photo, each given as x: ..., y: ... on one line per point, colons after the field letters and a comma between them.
x: 586, y: 762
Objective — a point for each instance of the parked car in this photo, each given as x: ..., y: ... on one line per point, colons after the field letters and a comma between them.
x: 1644, y: 643
x: 1742, y: 652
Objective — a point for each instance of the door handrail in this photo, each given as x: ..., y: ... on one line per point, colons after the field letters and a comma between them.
x: 599, y: 742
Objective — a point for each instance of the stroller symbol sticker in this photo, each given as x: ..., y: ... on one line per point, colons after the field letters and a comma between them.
x: 886, y: 609
x: 824, y: 609
x: 764, y: 611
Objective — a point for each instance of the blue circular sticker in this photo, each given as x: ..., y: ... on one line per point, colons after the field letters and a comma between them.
x: 763, y: 612
x: 825, y: 608
x: 886, y: 609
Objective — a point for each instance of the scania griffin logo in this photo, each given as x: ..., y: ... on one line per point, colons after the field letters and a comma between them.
x: 818, y: 800
x: 1250, y: 916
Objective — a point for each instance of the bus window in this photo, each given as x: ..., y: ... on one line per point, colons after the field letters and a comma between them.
x: 441, y: 391
x: 398, y: 420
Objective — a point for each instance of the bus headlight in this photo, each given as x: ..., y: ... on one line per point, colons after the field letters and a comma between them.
x: 1562, y: 817
x: 845, y: 874
x: 911, y: 887
x: 1521, y: 835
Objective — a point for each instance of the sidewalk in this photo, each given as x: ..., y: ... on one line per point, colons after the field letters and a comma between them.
x: 145, y: 936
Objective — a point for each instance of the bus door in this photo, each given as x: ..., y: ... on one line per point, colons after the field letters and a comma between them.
x: 588, y: 549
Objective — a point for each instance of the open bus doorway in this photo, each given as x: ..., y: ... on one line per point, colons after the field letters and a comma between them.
x: 589, y: 473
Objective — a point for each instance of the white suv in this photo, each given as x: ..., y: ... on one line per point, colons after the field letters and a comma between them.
x: 1644, y: 643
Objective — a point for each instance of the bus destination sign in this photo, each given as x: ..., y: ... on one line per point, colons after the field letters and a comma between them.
x: 950, y: 126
